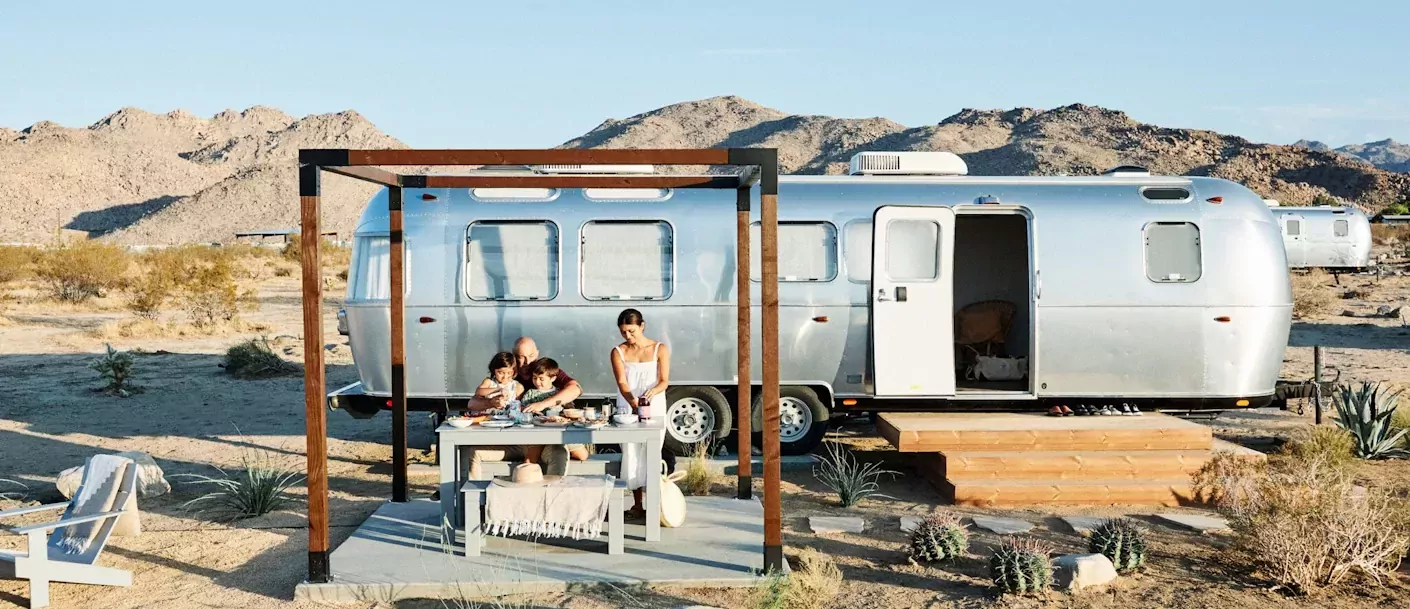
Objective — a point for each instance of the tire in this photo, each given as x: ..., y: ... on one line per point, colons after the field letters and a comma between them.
x: 802, y: 420
x: 693, y: 414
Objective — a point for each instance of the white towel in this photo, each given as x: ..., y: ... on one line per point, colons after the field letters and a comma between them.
x: 568, y: 507
x: 97, y: 493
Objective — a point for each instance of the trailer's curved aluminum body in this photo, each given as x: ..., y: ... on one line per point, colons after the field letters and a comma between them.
x: 1325, y: 237
x: 1104, y: 329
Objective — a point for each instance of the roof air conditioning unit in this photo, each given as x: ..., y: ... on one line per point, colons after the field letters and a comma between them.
x: 908, y: 164
x: 631, y: 169
x: 1127, y: 170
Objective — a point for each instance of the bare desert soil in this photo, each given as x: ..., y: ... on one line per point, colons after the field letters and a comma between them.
x: 192, y: 417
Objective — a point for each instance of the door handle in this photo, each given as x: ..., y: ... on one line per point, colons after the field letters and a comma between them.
x: 881, y: 296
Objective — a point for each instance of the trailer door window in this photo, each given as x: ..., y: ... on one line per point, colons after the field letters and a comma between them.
x: 1172, y: 252
x: 1341, y: 228
x: 856, y: 249
x: 627, y: 260
x: 512, y: 260
x: 374, y: 282
x: 911, y: 247
x: 807, y: 251
x: 1293, y: 227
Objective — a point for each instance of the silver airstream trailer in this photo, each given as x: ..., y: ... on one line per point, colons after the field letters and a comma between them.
x: 1167, y: 292
x: 1329, y: 237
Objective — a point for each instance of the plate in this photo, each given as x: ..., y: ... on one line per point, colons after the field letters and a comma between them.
x: 526, y: 425
x: 553, y: 423
x: 497, y: 424
x: 592, y: 425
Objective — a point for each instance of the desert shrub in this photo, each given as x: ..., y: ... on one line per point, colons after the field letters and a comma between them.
x: 698, y: 478
x: 1401, y: 418
x: 1306, y: 526
x: 1388, y: 234
x: 1365, y: 413
x: 283, y: 271
x: 16, y: 263
x: 332, y: 255
x: 259, y: 488
x: 116, y: 368
x: 1121, y: 540
x: 853, y: 481
x: 209, y: 295
x: 939, y: 537
x: 1361, y: 293
x: 76, y: 272
x: 1022, y: 565
x: 1326, y: 199
x: 813, y: 583
x: 1329, y: 443
x: 254, y: 359
x: 1225, y: 477
x: 1311, y: 295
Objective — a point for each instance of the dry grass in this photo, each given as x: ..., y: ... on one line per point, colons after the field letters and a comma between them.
x: 16, y: 263
x: 1312, y: 297
x: 813, y: 583
x: 698, y: 479
x: 1224, y: 477
x: 1327, y: 443
x: 1389, y: 234
x: 1306, y: 526
x: 254, y: 359
x: 155, y: 328
x: 79, y: 271
x: 1358, y: 293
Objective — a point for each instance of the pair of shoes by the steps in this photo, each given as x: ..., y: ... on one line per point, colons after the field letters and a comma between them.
x: 1060, y: 411
x: 1107, y: 411
x: 1131, y: 410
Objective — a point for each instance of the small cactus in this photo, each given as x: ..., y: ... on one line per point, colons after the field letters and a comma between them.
x: 1022, y: 565
x: 938, y: 537
x: 1121, y: 540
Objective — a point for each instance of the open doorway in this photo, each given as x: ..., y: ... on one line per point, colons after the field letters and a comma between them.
x: 993, y: 302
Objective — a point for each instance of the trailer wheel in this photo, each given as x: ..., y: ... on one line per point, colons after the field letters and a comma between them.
x: 694, y: 414
x: 802, y: 420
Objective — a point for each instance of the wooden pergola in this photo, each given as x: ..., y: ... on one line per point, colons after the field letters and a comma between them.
x: 760, y: 165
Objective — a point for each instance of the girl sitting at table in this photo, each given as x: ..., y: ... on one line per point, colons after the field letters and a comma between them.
x: 500, y: 384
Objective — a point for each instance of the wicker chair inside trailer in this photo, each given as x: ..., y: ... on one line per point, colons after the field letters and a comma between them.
x: 982, y: 328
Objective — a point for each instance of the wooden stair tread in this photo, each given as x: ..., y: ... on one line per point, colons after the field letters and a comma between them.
x: 945, y: 432
x: 1065, y: 465
x: 1167, y: 492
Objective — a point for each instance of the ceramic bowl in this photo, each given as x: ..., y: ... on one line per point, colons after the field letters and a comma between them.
x: 459, y: 423
x: 624, y: 419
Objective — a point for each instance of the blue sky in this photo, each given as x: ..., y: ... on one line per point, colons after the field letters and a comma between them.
x: 533, y: 74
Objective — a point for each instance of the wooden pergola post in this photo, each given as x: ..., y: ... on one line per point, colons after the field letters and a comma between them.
x: 364, y: 165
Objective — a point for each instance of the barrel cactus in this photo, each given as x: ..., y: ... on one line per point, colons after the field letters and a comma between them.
x: 1022, y: 565
x: 938, y: 537
x: 1121, y: 540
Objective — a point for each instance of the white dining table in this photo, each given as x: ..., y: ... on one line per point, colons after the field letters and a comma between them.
x: 450, y: 440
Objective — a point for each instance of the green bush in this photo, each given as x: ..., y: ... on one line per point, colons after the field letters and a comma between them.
x: 116, y: 368
x: 1365, y: 413
x: 76, y: 272
x: 1396, y: 209
x: 1329, y: 443
x: 209, y: 295
x: 1326, y: 199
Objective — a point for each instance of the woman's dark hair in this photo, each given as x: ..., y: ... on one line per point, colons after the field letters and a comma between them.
x: 630, y: 317
x: 503, y: 359
x: 545, y: 366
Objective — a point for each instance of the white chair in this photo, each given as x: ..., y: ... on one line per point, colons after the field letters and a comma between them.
x: 109, y: 485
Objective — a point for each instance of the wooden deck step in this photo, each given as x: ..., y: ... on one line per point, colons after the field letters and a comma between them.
x: 1065, y: 465
x: 1007, y: 493
x: 1001, y: 432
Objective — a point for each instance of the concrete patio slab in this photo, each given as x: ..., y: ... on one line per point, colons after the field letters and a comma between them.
x: 398, y: 554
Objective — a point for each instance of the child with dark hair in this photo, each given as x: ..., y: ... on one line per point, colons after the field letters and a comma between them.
x: 501, y: 385
x: 543, y: 373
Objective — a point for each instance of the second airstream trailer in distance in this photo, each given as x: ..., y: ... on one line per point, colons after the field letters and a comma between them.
x: 1167, y: 292
x: 1328, y: 237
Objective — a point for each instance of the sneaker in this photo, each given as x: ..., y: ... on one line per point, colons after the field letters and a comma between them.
x: 1082, y: 410
x: 1107, y: 410
x: 435, y: 495
x: 1055, y: 411
x: 1067, y: 412
x: 1136, y: 410
x: 1127, y: 411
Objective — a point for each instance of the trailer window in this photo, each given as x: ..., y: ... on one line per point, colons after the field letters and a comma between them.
x: 512, y: 260
x: 627, y: 260
x: 910, y: 250
x: 1293, y: 227
x: 374, y: 281
x: 856, y: 249
x: 1341, y: 228
x: 1172, y: 252
x: 807, y: 251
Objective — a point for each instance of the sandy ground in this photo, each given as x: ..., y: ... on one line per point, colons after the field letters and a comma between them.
x: 192, y: 417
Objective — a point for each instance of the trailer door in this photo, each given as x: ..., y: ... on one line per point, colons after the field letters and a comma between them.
x: 912, y: 298
x: 1295, y: 240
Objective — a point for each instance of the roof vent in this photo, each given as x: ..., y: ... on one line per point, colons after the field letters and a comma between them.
x: 1127, y: 170
x: 908, y: 163
x: 632, y: 169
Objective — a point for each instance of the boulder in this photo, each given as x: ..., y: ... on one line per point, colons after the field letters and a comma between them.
x: 1077, y: 571
x: 150, y: 480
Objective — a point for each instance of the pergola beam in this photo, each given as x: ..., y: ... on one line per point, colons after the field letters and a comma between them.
x: 762, y: 165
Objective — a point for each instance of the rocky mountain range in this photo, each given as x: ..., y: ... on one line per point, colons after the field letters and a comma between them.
x: 1387, y: 154
x: 138, y: 177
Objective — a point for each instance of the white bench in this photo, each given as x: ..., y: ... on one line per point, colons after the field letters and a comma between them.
x: 473, y: 494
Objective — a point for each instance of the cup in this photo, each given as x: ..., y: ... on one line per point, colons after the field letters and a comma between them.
x: 590, y: 414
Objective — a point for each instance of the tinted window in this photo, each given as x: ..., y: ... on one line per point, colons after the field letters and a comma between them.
x: 512, y: 261
x: 627, y: 260
x: 1341, y: 228
x: 1172, y: 252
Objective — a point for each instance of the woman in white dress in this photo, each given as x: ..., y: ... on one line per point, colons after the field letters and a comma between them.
x: 643, y: 370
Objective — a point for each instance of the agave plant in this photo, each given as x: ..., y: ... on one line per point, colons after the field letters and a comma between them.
x: 851, y: 480
x: 1365, y: 412
x: 258, y: 489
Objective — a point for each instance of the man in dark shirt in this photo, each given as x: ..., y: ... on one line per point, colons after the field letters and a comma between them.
x: 554, y: 457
